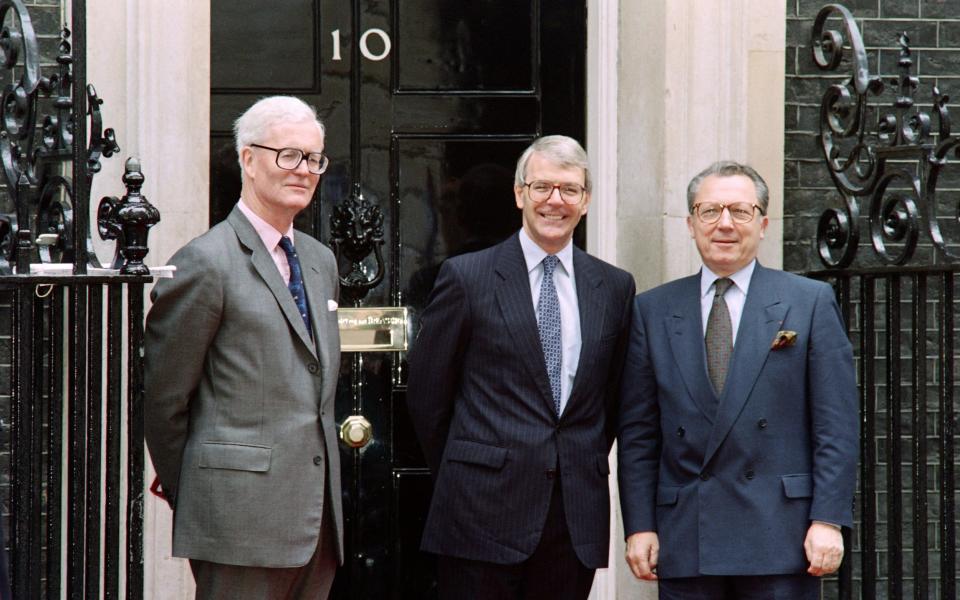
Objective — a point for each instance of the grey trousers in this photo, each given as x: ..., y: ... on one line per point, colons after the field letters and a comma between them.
x: 312, y: 581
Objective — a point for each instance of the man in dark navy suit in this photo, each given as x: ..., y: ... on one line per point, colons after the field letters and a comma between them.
x: 738, y: 415
x: 512, y: 391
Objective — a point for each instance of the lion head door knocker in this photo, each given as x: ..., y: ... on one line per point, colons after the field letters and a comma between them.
x: 356, y: 229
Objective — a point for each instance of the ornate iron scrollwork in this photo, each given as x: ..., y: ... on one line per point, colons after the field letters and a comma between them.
x: 356, y: 228
x: 128, y: 220
x: 857, y: 153
x: 41, y: 226
x: 55, y: 221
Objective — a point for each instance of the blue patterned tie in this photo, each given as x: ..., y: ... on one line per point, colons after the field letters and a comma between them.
x: 548, y: 323
x: 296, y: 281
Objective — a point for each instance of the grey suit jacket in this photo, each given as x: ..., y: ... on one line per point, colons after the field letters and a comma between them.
x: 239, y: 400
x: 732, y: 489
x: 479, y: 397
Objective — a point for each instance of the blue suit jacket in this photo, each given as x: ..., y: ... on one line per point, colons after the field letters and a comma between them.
x: 480, y: 401
x: 733, y: 493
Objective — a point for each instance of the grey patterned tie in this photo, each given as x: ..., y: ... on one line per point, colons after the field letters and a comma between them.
x: 548, y: 323
x: 719, y: 338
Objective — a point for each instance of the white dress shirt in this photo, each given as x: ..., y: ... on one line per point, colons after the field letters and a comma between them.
x: 735, y: 297
x: 564, y: 281
x: 271, y: 240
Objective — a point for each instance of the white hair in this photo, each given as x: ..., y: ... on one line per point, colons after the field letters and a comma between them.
x: 253, y: 124
x: 564, y: 151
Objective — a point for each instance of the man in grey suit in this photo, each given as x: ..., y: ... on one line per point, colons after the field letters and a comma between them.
x: 242, y: 355
x: 512, y: 390
x: 738, y: 416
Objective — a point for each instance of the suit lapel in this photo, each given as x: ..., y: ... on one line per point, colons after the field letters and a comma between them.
x: 589, y: 283
x: 685, y: 329
x: 763, y: 314
x: 317, y: 296
x: 516, y: 306
x: 267, y: 269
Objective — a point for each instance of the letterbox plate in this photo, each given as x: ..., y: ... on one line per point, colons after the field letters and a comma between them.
x: 373, y: 329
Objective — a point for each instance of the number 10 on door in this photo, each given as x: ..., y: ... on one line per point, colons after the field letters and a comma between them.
x: 365, y: 44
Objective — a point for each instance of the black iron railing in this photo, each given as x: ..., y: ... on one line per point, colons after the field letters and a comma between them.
x: 77, y: 361
x: 900, y: 317
x: 76, y: 337
x: 902, y: 324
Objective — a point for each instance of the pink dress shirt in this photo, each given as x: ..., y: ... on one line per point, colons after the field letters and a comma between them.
x: 271, y: 239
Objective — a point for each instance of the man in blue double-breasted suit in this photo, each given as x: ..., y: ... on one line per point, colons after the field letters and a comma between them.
x: 738, y: 416
x: 513, y: 391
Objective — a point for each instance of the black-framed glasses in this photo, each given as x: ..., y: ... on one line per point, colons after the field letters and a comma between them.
x: 740, y: 212
x: 570, y: 193
x: 289, y: 159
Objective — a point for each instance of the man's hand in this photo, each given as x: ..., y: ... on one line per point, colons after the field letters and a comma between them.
x: 643, y: 551
x: 824, y: 548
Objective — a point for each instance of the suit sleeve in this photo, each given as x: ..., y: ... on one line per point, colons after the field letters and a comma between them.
x: 834, y: 413
x: 638, y: 450
x: 619, y: 356
x: 436, y: 363
x: 180, y: 327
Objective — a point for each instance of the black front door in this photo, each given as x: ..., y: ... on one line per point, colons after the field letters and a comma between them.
x: 427, y: 104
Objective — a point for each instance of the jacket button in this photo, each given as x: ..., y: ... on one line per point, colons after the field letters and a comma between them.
x: 551, y: 473
x: 762, y: 423
x: 312, y: 367
x: 704, y: 476
x: 749, y: 474
x: 681, y: 431
x: 318, y: 460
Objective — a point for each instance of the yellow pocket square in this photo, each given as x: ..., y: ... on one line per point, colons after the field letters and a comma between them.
x: 784, y: 339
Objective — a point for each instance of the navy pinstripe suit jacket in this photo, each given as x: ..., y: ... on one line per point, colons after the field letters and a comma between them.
x: 480, y: 401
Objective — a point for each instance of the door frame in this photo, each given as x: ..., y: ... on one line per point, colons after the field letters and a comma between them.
x: 603, y: 34
x: 170, y: 578
x: 602, y: 90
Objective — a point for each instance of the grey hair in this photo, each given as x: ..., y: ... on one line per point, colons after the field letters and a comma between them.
x: 559, y: 149
x: 730, y: 168
x: 253, y: 124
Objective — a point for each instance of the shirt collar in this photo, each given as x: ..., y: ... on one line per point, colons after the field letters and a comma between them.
x: 741, y: 278
x: 269, y: 235
x: 533, y: 254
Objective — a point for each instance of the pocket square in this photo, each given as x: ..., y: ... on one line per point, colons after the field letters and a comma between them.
x: 331, y: 305
x: 784, y: 339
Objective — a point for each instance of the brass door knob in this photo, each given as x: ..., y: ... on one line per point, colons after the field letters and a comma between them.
x: 356, y: 431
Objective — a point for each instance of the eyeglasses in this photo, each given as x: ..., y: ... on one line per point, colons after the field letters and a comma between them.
x: 540, y: 191
x: 740, y: 212
x: 290, y: 158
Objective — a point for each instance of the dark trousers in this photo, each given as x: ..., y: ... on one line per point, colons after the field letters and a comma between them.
x: 756, y: 587
x: 312, y: 581
x: 553, y: 571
